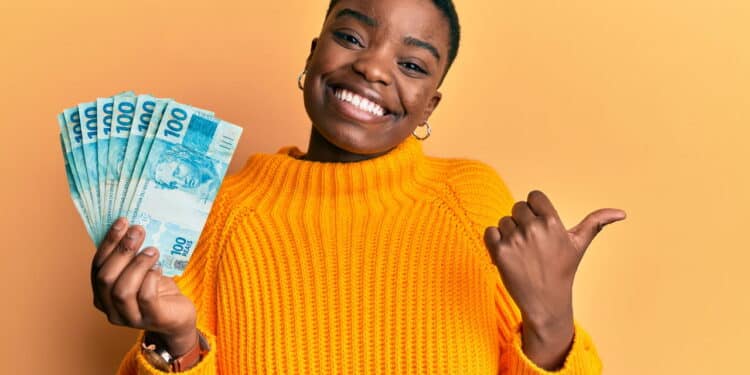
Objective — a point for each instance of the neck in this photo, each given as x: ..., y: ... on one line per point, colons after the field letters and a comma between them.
x: 320, y: 149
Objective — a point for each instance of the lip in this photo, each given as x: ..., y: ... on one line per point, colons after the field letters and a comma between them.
x: 353, y: 113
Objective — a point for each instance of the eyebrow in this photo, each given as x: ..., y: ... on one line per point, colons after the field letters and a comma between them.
x: 369, y: 21
x: 411, y: 41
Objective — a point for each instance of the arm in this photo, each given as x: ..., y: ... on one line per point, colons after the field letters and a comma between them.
x: 197, y: 283
x: 533, y: 260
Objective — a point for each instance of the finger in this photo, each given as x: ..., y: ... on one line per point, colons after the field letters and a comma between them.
x: 522, y: 214
x: 113, y: 266
x: 592, y: 224
x: 116, y: 231
x: 507, y: 226
x: 114, y: 235
x: 492, y: 239
x: 126, y: 289
x: 148, y: 294
x: 540, y: 204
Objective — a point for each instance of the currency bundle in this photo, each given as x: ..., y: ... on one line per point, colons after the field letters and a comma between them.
x: 155, y: 161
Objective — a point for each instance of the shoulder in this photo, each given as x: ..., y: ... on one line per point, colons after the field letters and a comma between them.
x: 478, y: 188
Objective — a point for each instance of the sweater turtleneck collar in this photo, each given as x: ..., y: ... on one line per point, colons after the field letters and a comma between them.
x: 284, y: 174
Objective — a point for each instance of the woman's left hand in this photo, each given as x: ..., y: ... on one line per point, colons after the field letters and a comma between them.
x: 537, y: 259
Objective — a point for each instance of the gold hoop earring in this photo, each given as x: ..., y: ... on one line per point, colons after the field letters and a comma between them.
x: 299, y: 79
x: 427, y: 135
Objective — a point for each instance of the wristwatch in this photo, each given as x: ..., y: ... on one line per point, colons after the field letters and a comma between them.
x: 161, y: 359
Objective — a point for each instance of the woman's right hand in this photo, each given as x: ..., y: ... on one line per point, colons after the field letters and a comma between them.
x: 133, y: 294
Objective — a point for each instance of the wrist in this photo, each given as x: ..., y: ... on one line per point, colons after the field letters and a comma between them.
x: 547, y: 340
x: 176, y: 344
x: 546, y: 326
x: 550, y: 334
x: 167, y: 358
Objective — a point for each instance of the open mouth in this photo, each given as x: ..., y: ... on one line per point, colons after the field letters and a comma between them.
x: 359, y: 101
x: 357, y: 106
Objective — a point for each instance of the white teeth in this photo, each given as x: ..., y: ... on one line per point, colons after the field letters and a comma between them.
x: 359, y: 102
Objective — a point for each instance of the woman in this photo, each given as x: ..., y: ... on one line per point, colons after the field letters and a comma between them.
x: 363, y: 255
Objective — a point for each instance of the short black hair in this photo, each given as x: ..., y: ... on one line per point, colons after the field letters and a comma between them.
x: 449, y: 11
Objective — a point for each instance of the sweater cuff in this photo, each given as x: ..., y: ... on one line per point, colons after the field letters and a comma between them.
x: 206, y: 366
x: 581, y: 359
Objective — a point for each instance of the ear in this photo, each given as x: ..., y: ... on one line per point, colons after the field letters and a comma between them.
x: 432, y: 104
x: 312, y: 50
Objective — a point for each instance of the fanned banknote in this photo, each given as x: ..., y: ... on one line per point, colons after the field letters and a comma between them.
x: 104, y: 127
x: 144, y: 110
x: 122, y: 121
x: 140, y: 160
x: 186, y: 164
x: 104, y: 113
x: 156, y: 161
x: 73, y: 183
x: 87, y: 114
x: 72, y: 124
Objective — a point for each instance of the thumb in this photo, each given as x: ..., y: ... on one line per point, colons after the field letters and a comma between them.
x: 583, y: 233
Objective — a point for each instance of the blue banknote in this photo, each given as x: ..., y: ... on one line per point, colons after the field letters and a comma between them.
x: 104, y: 112
x: 144, y: 111
x: 148, y: 139
x: 72, y: 125
x: 181, y: 176
x: 73, y: 183
x: 87, y: 113
x: 103, y: 128
x: 122, y: 120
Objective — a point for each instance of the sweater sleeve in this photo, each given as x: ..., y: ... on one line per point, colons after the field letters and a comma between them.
x: 485, y: 198
x: 198, y: 282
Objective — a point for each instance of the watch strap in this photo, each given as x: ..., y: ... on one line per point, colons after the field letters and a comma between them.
x: 162, y: 360
x: 193, y: 356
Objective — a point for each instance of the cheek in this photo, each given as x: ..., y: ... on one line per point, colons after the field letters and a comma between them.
x: 327, y: 56
x: 415, y: 100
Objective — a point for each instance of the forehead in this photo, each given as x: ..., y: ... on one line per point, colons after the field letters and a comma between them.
x: 399, y: 18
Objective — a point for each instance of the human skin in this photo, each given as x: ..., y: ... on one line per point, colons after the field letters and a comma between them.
x: 374, y: 59
x: 536, y: 256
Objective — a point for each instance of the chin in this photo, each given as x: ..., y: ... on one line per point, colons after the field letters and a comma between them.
x: 353, y: 138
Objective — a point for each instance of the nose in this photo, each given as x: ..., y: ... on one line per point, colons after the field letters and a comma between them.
x: 374, y: 66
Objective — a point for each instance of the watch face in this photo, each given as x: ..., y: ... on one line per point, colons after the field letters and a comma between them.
x: 157, y: 360
x: 165, y: 355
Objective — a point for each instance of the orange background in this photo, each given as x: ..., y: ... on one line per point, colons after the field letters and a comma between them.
x: 642, y: 105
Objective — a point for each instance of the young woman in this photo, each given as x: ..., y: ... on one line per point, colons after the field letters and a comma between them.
x: 362, y: 255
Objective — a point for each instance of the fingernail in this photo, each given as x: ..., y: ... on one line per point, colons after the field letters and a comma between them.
x: 133, y: 233
x: 149, y: 252
x: 156, y: 267
x: 119, y: 224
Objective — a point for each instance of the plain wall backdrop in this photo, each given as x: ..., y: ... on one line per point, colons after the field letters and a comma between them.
x: 642, y: 105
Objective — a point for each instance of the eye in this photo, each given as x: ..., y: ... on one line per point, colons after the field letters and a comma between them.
x: 348, y: 38
x: 414, y: 67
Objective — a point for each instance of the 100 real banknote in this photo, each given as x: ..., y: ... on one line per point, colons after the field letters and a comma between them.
x: 155, y: 161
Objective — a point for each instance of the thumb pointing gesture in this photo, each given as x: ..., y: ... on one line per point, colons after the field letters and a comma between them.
x: 583, y: 233
x: 537, y: 259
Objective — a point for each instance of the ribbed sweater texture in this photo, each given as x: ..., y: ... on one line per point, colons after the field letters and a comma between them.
x: 370, y: 267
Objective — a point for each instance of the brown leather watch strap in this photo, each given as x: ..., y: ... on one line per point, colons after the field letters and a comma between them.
x: 192, y: 357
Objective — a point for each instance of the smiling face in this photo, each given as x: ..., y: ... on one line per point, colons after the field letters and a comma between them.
x: 373, y: 73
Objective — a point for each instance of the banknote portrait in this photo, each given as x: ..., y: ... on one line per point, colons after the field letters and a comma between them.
x: 180, y: 168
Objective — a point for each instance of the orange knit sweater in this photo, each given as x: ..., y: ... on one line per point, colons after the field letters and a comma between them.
x: 372, y: 267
